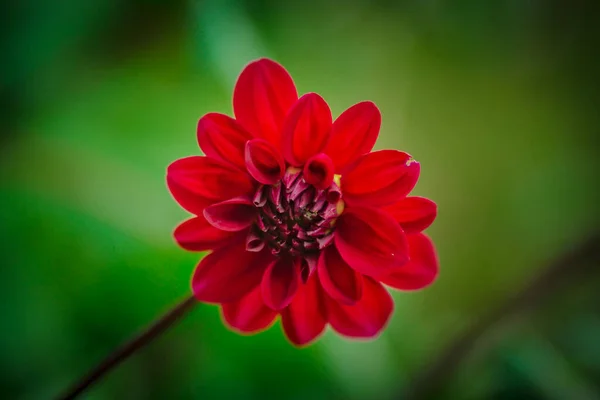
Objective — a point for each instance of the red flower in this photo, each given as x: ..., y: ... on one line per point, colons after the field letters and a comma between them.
x: 301, y: 219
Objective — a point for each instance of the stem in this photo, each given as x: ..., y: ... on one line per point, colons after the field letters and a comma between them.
x: 128, y: 348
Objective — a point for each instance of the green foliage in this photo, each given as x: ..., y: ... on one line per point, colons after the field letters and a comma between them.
x: 109, y: 93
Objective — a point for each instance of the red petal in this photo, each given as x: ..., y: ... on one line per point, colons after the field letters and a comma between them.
x: 263, y: 95
x: 264, y: 162
x: 421, y: 270
x: 370, y: 241
x: 280, y: 283
x: 222, y: 138
x: 249, y: 314
x: 231, y: 215
x: 318, y: 171
x: 306, y: 129
x: 254, y: 242
x: 305, y: 318
x: 337, y: 278
x: 229, y: 273
x: 413, y: 213
x: 196, y: 182
x: 367, y: 317
x: 379, y: 178
x: 196, y: 234
x: 353, y: 134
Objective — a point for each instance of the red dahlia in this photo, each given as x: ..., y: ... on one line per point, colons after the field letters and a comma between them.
x: 301, y: 219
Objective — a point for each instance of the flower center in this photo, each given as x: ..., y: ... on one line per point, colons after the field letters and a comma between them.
x: 295, y: 218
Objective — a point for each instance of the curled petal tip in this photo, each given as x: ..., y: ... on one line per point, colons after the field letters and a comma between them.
x: 318, y: 171
x: 264, y: 162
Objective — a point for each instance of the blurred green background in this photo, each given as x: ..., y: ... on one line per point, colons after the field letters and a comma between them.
x: 497, y: 99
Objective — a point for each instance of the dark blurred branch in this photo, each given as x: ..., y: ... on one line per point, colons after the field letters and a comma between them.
x: 130, y: 347
x: 579, y: 262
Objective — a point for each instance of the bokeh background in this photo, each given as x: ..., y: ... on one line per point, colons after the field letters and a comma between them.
x: 497, y: 99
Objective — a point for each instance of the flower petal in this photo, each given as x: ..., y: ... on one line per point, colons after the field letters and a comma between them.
x: 340, y: 281
x: 254, y: 241
x: 353, y: 134
x: 280, y: 283
x: 264, y: 162
x: 370, y: 241
x: 196, y: 182
x: 231, y: 215
x: 249, y: 314
x: 367, y: 317
x: 196, y: 234
x: 306, y: 129
x: 413, y: 213
x: 229, y: 273
x: 263, y: 95
x: 421, y: 270
x: 379, y: 178
x: 305, y: 318
x: 223, y: 138
x: 318, y: 171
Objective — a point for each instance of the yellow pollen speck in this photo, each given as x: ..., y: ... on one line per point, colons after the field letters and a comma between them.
x: 293, y: 170
x: 339, y: 207
x: 410, y: 161
x: 337, y: 178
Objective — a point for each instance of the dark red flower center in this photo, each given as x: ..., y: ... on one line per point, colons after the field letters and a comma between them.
x: 295, y: 218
